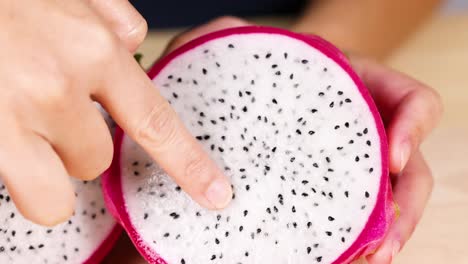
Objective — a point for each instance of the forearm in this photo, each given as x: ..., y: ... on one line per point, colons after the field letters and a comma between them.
x: 369, y: 27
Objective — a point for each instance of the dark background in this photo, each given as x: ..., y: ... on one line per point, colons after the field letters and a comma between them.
x: 187, y: 13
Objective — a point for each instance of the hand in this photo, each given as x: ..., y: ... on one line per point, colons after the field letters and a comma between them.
x: 56, y: 58
x: 410, y: 111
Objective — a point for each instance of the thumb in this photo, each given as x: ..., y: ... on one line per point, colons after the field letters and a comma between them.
x: 123, y: 19
x: 212, y: 26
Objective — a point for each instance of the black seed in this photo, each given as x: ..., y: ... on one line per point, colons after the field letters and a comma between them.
x: 325, y: 69
x: 182, y: 261
x: 256, y: 56
x: 244, y: 109
x: 175, y: 95
x: 247, y: 187
x: 145, y: 216
x: 179, y: 80
x: 204, y: 71
x: 371, y: 170
x: 230, y: 46
x: 319, y: 259
x: 298, y: 132
x: 314, y: 110
x: 367, y: 194
x: 213, y: 257
x: 343, y: 239
x: 309, y: 249
x: 274, y: 66
x: 268, y: 55
x: 356, y: 159
x: 241, y: 228
x: 340, y: 92
x: 174, y: 215
x: 278, y: 73
x: 346, y: 193
x: 365, y: 131
x: 331, y: 219
x: 293, y: 209
x: 328, y: 233
x: 321, y: 94
x: 347, y: 100
x: 246, y: 212
x: 274, y: 101
x: 311, y: 132
x: 332, y: 104
x: 166, y: 235
x: 315, y: 165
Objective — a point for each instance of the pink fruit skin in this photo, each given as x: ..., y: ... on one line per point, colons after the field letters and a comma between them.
x: 381, y: 217
x: 105, y: 246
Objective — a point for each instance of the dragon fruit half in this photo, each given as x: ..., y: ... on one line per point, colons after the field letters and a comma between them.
x: 85, y: 238
x: 296, y: 132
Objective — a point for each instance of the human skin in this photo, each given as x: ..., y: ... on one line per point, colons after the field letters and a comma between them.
x: 56, y: 58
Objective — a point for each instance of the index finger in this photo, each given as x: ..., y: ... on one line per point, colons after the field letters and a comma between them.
x: 135, y: 104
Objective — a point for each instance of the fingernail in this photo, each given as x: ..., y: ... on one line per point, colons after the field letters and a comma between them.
x: 395, y: 248
x: 219, y: 193
x: 404, y: 154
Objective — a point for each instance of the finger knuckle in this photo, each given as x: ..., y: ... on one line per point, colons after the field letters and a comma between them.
x: 53, y: 93
x: 137, y: 33
x: 159, y: 129
x: 197, y: 167
x: 435, y: 100
x: 105, y: 45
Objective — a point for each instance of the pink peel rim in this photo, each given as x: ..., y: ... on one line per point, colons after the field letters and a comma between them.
x: 383, y: 213
x: 101, y: 252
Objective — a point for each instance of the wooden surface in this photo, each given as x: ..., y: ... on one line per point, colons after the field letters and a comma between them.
x: 437, y: 55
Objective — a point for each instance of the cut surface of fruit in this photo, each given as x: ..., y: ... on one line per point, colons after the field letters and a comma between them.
x: 296, y: 132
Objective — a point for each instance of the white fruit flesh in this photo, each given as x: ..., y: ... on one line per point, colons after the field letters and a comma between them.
x: 71, y: 242
x: 295, y: 125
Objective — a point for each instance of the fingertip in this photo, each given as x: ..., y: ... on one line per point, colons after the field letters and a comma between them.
x: 400, y: 152
x: 48, y: 212
x: 219, y: 193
